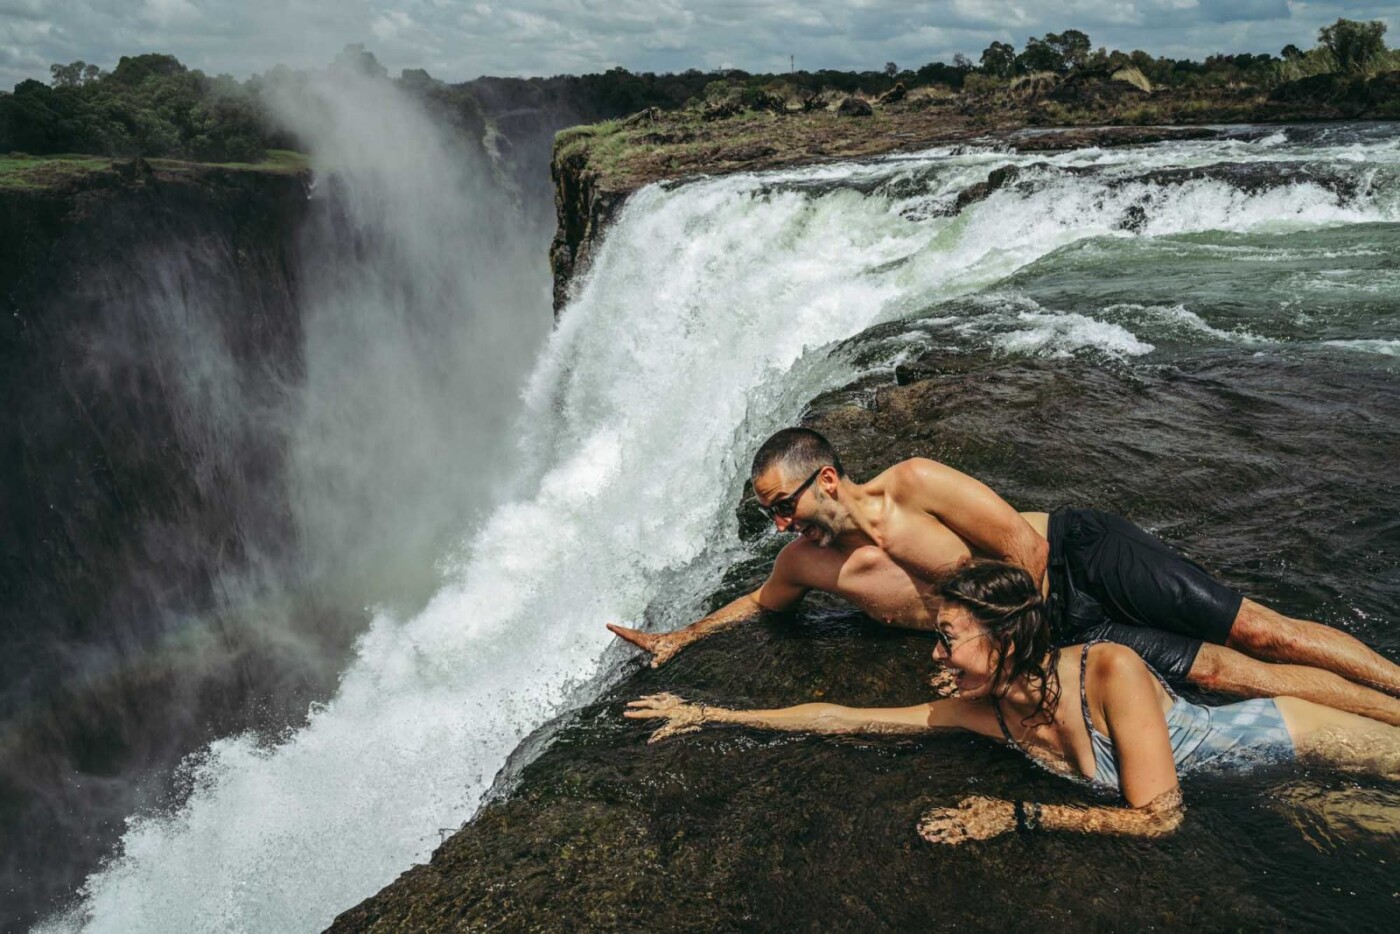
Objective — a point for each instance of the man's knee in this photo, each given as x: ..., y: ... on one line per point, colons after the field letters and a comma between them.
x: 1226, y: 671
x: 1206, y: 671
x: 1259, y: 629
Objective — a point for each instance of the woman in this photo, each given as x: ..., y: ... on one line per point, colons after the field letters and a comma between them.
x: 1121, y: 729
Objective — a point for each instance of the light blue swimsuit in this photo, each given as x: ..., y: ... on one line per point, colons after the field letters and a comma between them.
x: 1233, y: 736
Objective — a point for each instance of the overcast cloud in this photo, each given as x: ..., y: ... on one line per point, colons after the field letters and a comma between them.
x: 460, y: 39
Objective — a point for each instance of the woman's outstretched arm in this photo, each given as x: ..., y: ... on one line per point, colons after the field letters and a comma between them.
x: 685, y: 717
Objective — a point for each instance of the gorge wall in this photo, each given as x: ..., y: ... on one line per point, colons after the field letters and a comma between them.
x: 150, y: 328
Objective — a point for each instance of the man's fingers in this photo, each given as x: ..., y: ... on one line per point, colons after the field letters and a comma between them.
x: 664, y: 650
x: 635, y: 636
x: 658, y: 703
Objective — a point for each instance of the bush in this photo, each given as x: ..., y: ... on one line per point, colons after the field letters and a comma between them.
x: 1354, y: 46
x: 149, y: 105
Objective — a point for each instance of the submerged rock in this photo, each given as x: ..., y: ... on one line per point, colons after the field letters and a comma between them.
x: 855, y: 107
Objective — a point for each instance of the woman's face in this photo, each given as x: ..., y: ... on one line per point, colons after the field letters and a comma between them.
x: 965, y: 648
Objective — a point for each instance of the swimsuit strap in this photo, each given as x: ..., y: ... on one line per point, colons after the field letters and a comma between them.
x: 1083, y: 681
x: 1083, y: 691
x: 1001, y: 721
x: 1163, y: 682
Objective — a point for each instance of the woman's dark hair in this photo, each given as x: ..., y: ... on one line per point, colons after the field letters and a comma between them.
x: 1004, y: 599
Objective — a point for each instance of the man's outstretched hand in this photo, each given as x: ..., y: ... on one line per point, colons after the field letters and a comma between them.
x: 662, y: 645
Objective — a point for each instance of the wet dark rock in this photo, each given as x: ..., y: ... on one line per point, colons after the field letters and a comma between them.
x: 1248, y: 177
x: 1093, y: 91
x: 894, y: 95
x: 996, y: 180
x: 855, y: 107
x: 583, y: 210
x: 1064, y: 139
x: 728, y: 829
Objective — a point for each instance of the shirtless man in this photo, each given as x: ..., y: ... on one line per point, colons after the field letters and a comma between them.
x: 884, y: 545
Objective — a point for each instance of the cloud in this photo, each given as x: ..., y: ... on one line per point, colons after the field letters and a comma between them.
x: 460, y: 39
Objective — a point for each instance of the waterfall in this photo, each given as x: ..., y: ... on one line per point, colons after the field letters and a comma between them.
x: 707, y: 320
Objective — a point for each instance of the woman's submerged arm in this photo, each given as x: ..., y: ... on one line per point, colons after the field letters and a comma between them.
x: 685, y: 717
x: 980, y: 818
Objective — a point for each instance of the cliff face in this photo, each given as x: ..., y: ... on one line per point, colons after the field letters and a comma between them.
x: 150, y: 325
x: 125, y: 297
x: 584, y: 210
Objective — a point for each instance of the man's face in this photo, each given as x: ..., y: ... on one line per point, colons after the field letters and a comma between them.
x: 815, y: 517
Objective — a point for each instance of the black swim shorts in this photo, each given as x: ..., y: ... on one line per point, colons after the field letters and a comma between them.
x: 1111, y: 580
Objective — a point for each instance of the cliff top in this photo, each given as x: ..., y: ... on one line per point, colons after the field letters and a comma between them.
x: 752, y: 130
x: 20, y: 171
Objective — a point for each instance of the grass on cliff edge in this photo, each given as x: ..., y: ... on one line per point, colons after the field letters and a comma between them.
x: 19, y: 170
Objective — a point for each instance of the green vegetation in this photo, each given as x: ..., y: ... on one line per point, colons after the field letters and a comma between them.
x: 1346, y: 46
x: 149, y: 105
x: 18, y: 170
x: 22, y: 171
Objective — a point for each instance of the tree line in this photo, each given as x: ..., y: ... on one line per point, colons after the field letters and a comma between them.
x: 152, y: 105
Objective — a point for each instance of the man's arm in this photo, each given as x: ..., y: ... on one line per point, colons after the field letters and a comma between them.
x: 973, y: 511
x: 779, y: 592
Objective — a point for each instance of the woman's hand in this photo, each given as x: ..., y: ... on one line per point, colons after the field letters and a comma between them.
x: 944, y: 682
x: 975, y: 818
x: 681, y: 717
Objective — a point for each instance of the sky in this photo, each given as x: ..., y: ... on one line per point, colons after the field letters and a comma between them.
x: 456, y: 40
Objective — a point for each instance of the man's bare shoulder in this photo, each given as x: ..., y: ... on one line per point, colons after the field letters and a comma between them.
x: 910, y: 479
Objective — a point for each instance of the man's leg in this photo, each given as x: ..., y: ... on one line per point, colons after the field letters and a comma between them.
x: 1263, y: 633
x: 1227, y: 671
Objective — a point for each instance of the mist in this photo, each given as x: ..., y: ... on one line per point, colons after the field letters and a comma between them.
x: 326, y: 457
x: 427, y: 297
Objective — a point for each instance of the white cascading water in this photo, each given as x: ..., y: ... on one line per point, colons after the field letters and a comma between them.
x: 701, y: 327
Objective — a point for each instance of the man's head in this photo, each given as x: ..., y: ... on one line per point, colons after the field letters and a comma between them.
x: 797, y: 478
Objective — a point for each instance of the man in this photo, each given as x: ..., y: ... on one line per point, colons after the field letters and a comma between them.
x: 884, y: 545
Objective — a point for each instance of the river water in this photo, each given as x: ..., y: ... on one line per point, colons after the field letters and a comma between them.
x: 1212, y: 352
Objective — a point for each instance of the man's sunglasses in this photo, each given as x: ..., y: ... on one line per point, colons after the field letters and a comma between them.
x: 785, y: 507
